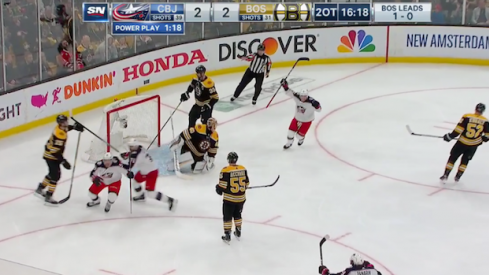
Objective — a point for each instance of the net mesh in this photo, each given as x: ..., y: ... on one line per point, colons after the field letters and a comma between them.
x: 134, y: 117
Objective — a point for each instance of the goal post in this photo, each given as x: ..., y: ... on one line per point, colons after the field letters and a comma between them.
x: 134, y: 117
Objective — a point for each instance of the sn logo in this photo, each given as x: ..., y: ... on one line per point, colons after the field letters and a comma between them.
x: 95, y: 12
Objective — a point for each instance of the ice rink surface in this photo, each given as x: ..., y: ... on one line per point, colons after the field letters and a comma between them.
x: 359, y: 177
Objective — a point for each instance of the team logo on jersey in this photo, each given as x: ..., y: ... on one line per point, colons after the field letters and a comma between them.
x: 107, y: 175
x: 204, y: 145
x: 130, y: 12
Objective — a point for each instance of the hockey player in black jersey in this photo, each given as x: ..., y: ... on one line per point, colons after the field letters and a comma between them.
x: 358, y: 267
x: 205, y: 97
x: 53, y: 155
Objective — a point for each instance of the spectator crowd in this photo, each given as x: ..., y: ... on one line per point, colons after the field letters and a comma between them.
x: 37, y: 45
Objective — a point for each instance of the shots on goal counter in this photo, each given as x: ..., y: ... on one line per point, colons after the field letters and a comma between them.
x: 261, y: 12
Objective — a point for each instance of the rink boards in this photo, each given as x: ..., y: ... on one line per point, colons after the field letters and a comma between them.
x: 80, y: 92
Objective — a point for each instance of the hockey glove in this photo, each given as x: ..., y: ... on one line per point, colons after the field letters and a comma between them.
x: 205, y: 108
x: 66, y: 164
x: 218, y: 190
x: 284, y: 84
x: 125, y: 155
x: 315, y: 104
x: 184, y: 97
x: 130, y: 175
x: 78, y: 127
x: 447, y: 137
x: 97, y: 180
x: 210, y: 163
x: 485, y: 138
x: 323, y: 270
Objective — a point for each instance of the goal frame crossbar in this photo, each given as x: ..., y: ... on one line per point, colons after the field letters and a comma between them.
x: 142, y: 101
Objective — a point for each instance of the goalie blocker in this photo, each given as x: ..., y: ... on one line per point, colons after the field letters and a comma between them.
x: 197, y: 145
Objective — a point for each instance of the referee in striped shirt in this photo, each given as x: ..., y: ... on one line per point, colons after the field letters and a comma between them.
x: 259, y: 69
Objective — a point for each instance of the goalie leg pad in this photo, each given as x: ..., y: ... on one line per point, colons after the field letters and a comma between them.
x: 185, y: 159
x: 176, y: 143
x: 199, y: 166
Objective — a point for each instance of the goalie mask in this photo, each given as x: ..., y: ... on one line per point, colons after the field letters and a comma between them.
x: 212, y: 124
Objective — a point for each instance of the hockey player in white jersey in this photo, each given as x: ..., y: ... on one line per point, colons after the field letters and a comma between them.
x: 148, y: 173
x: 107, y: 173
x: 358, y: 267
x: 306, y: 106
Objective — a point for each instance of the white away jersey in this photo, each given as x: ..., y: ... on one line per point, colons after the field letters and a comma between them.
x: 141, y: 160
x: 111, y: 174
x: 304, y: 110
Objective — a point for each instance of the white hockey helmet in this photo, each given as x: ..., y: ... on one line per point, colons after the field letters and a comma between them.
x: 133, y: 142
x: 304, y: 92
x: 356, y: 259
x: 108, y: 156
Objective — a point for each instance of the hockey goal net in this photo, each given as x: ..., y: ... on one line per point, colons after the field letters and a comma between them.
x: 134, y: 117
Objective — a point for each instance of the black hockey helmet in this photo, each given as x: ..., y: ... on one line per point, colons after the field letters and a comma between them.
x: 232, y: 157
x: 261, y: 47
x: 61, y: 119
x: 200, y: 69
x: 60, y: 10
x: 481, y: 107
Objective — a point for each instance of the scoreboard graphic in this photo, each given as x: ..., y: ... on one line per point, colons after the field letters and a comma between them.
x: 169, y: 18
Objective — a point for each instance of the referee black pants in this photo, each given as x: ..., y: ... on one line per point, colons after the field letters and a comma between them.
x: 247, y: 77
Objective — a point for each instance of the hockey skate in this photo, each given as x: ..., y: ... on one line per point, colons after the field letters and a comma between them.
x: 237, y: 233
x: 49, y: 201
x: 93, y: 202
x: 141, y: 197
x: 107, y: 207
x: 253, y: 102
x: 40, y: 192
x: 226, y: 238
x: 458, y: 176
x: 444, y: 178
x: 300, y: 142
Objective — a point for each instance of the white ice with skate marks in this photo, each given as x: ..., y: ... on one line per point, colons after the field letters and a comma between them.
x: 394, y: 224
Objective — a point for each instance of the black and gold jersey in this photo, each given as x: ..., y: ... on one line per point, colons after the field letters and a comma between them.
x: 234, y: 181
x: 55, y: 147
x: 205, y: 92
x: 201, y: 141
x: 471, y: 128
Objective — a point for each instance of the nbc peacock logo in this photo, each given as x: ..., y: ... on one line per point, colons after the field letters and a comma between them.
x: 360, y: 38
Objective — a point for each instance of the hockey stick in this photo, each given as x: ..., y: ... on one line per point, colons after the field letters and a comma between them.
x: 423, y: 135
x: 176, y: 108
x: 176, y: 162
x: 263, y: 186
x: 300, y: 59
x: 72, y: 172
x: 95, y: 135
x: 130, y: 185
x: 323, y: 240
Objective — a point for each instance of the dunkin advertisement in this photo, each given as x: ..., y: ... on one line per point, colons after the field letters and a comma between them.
x: 90, y: 86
